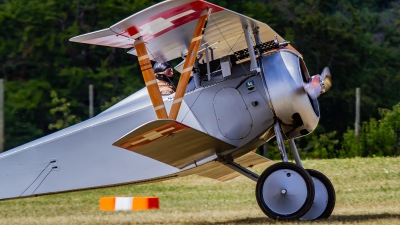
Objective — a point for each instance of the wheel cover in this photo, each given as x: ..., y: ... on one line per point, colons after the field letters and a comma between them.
x: 284, y: 191
x: 320, y: 201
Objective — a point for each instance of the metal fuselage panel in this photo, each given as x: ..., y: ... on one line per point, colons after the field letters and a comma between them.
x: 83, y: 157
x: 234, y: 119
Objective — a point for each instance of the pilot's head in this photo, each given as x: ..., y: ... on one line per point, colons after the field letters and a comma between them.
x: 163, y: 68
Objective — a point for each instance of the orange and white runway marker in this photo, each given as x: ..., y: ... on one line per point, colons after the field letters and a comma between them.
x: 128, y: 203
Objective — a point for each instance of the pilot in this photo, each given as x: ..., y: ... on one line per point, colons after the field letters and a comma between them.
x: 164, y: 75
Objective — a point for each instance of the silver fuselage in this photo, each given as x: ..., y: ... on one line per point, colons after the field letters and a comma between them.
x: 82, y: 156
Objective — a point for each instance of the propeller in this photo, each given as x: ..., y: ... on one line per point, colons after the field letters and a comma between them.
x: 326, y: 79
x: 319, y: 84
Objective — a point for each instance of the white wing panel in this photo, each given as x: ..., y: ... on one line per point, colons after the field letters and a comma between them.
x: 167, y: 28
x: 104, y: 37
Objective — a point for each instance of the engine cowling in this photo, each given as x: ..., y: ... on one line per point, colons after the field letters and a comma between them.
x: 285, y: 74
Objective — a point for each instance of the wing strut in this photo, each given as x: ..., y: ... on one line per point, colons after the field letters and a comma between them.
x: 253, y: 64
x: 150, y: 79
x: 189, y: 62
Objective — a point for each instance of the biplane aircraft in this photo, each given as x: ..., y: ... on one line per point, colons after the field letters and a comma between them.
x: 241, y: 84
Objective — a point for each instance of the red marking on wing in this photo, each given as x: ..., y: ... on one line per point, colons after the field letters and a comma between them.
x: 197, y: 6
x: 142, y: 140
x: 121, y: 39
x: 132, y: 30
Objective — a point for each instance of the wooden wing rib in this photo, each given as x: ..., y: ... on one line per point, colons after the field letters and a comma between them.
x: 172, y: 143
x: 167, y: 28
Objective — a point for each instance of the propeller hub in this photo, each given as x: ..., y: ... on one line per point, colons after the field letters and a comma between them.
x: 319, y: 84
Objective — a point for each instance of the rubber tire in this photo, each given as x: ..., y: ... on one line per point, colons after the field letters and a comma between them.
x: 331, y: 193
x: 309, y: 186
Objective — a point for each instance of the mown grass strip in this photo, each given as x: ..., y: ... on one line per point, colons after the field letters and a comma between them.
x: 368, y: 192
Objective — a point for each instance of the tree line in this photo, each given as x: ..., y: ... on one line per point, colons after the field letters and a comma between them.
x: 47, y: 77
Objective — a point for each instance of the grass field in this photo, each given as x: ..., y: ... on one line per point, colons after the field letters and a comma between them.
x: 367, y: 192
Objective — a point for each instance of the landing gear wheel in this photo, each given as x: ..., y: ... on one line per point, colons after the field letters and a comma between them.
x: 285, y: 191
x: 324, y: 199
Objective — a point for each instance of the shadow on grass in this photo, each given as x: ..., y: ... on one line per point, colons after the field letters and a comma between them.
x: 353, y: 218
x: 332, y: 219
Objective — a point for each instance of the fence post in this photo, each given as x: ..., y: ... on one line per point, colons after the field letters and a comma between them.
x: 90, y: 100
x: 357, y: 124
x: 1, y: 115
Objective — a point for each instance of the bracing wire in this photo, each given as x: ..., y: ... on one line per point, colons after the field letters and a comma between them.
x: 231, y: 47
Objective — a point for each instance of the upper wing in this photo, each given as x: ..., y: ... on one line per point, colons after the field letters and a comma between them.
x: 167, y: 28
